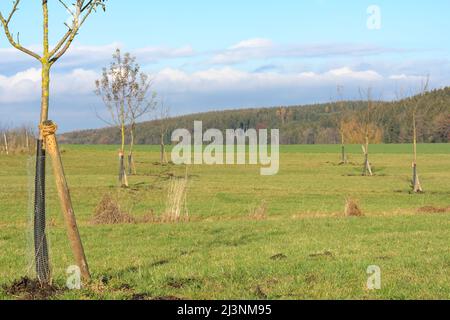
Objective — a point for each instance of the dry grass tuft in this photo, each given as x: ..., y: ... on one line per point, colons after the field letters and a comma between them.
x: 352, y: 208
x: 260, y: 212
x: 108, y: 212
x: 149, y: 217
x: 176, y: 207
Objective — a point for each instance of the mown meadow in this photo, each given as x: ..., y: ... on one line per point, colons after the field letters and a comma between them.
x: 300, y: 246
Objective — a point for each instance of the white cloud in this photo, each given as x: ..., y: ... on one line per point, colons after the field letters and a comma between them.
x: 245, y: 50
x: 257, y: 43
x: 198, y: 86
x: 404, y: 77
x: 260, y: 48
x: 160, y: 53
x: 22, y: 86
x: 25, y: 86
x: 228, y: 78
x: 79, y: 81
x: 80, y: 56
x: 189, y: 92
x: 347, y: 73
x: 96, y: 56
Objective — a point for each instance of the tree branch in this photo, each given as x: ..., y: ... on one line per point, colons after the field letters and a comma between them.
x: 67, y: 40
x: 5, y: 24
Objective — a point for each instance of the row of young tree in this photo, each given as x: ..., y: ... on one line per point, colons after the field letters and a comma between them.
x: 372, y: 117
x: 364, y: 122
x: 16, y: 140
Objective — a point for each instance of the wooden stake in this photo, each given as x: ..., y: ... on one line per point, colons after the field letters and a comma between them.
x: 123, y: 180
x: 6, y: 144
x: 417, y: 187
x: 48, y: 131
x: 367, y: 167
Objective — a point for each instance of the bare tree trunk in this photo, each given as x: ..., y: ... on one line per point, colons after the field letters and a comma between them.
x: 27, y: 141
x: 123, y: 180
x: 163, y: 157
x: 121, y: 168
x: 343, y: 154
x: 367, y: 166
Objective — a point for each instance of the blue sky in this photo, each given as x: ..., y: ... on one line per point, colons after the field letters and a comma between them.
x: 210, y: 55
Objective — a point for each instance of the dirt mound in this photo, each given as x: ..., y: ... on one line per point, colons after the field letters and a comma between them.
x: 181, y: 283
x: 108, y: 212
x: 352, y: 209
x: 27, y: 289
x: 279, y: 256
x: 431, y: 209
x: 325, y: 254
x: 167, y: 298
x: 145, y: 296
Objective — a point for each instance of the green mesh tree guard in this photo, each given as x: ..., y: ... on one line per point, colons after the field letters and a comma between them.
x: 40, y: 238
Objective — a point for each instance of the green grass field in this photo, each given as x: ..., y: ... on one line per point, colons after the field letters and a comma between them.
x: 305, y: 249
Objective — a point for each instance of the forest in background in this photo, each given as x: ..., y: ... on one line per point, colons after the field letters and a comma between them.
x: 390, y: 122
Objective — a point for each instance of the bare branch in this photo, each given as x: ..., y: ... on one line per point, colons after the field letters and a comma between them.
x: 61, y: 43
x: 78, y: 20
x: 67, y: 7
x: 5, y: 24
x: 15, y: 8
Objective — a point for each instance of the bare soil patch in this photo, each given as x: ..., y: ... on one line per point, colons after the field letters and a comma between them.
x: 181, y: 283
x: 28, y: 289
x: 324, y: 254
x: 278, y: 257
x: 431, y: 209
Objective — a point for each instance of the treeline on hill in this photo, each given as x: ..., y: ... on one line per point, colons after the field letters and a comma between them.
x: 390, y: 122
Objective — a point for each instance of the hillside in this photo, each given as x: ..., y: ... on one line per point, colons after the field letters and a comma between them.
x: 310, y: 124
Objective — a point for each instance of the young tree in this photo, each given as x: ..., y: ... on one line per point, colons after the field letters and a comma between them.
x: 140, y: 101
x: 355, y: 131
x: 418, y: 101
x: 117, y: 88
x: 163, y: 116
x: 367, y: 171
x: 80, y: 11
